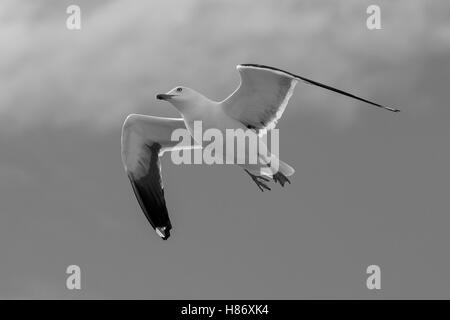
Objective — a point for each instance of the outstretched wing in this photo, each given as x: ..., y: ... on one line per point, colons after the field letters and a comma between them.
x: 144, y: 139
x: 261, y: 98
x: 264, y: 92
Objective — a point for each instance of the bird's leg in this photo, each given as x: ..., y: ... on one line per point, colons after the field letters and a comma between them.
x: 261, y: 185
x: 280, y: 178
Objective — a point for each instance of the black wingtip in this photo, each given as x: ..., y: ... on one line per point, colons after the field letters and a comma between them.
x: 390, y: 109
x: 261, y: 66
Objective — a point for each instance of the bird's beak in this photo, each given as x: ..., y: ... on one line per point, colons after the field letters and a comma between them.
x: 164, y: 96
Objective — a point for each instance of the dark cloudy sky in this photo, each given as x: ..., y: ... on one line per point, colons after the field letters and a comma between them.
x: 371, y: 187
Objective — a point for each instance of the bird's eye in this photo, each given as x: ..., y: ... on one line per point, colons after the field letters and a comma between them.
x: 179, y: 89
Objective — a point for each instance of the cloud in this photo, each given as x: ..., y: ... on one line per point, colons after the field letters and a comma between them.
x: 125, y: 53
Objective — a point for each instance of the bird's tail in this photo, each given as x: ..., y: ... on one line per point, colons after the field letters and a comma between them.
x: 277, y: 166
x: 285, y: 169
x: 273, y: 165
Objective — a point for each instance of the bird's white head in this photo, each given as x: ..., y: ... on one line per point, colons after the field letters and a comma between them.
x: 183, y: 98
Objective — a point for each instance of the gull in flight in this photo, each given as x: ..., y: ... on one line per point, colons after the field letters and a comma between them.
x: 256, y: 105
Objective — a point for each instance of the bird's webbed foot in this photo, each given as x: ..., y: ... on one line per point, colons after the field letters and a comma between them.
x: 257, y: 179
x: 280, y: 178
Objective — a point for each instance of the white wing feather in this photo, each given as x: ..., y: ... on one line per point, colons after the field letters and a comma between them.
x: 261, y: 97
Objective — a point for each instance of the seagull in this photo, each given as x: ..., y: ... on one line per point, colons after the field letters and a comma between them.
x: 256, y: 105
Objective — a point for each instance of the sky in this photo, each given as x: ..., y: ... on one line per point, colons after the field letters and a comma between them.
x: 371, y: 187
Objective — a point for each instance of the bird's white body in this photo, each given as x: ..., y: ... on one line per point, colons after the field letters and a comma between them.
x: 212, y: 115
